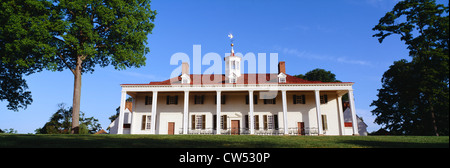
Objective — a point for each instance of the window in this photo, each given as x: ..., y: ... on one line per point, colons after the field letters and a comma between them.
x: 148, y: 100
x: 270, y: 122
x: 233, y: 64
x: 299, y: 99
x: 199, y: 99
x: 270, y: 101
x: 146, y: 122
x: 198, y: 122
x: 184, y: 80
x: 282, y: 80
x: 223, y: 122
x: 323, y: 99
x: 172, y: 100
x: 232, y: 80
x: 324, y: 122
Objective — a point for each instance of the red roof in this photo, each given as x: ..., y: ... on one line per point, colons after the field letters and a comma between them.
x: 243, y: 79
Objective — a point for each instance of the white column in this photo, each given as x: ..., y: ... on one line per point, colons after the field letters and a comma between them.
x: 353, y: 111
x: 121, y: 114
x: 340, y: 114
x: 218, y: 110
x: 133, y: 123
x: 186, y: 112
x: 318, y: 113
x: 250, y: 116
x: 154, y: 103
x: 285, y: 124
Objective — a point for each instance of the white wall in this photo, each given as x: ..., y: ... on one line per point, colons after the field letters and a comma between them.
x: 236, y: 109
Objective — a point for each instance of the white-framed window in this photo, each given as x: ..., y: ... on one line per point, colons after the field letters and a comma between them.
x: 282, y: 80
x: 232, y: 80
x: 198, y: 122
x: 270, y: 122
x: 233, y: 64
x: 146, y: 122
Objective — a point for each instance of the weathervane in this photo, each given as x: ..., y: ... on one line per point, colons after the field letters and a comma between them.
x: 231, y: 39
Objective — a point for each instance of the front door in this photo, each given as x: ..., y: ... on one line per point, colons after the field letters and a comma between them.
x: 171, y: 128
x: 234, y: 127
x: 301, y: 128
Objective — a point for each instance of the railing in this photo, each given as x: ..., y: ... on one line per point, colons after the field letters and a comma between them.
x: 246, y: 131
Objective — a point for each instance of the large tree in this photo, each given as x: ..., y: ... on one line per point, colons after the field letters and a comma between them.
x: 414, y: 97
x: 82, y: 34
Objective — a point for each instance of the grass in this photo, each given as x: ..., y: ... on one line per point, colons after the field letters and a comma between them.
x: 218, y: 141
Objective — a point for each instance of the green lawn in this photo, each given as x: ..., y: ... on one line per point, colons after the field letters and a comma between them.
x: 219, y: 141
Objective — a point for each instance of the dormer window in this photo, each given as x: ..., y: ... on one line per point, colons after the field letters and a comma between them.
x: 282, y: 78
x: 185, y: 79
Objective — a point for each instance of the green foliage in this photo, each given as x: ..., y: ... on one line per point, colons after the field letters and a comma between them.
x: 61, y: 123
x: 323, y: 76
x: 319, y: 75
x: 414, y: 98
x: 26, y: 29
x: 56, y: 35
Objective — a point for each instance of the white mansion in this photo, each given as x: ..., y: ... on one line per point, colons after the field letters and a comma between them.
x: 235, y: 103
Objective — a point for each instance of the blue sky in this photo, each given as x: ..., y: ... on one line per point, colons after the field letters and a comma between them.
x: 332, y: 35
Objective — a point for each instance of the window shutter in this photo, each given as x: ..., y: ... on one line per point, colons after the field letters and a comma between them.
x: 215, y: 122
x: 265, y: 122
x: 222, y: 99
x: 294, y: 98
x: 167, y: 100
x: 303, y: 99
x: 224, y: 122
x: 146, y: 100
x: 265, y: 101
x: 203, y: 121
x: 255, y: 99
x: 203, y: 98
x: 275, y: 121
x: 193, y: 122
x: 325, y: 97
x: 246, y: 121
x: 246, y: 99
x: 195, y: 99
x: 324, y: 122
x: 274, y: 100
x: 256, y: 117
x: 215, y: 99
x: 176, y: 99
x: 143, y: 122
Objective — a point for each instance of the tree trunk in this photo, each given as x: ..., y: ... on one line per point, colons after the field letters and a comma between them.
x: 76, y: 97
x: 433, y: 121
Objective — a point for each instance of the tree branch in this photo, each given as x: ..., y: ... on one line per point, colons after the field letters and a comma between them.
x: 67, y: 64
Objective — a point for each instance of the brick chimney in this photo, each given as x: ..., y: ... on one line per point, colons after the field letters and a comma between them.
x: 281, y: 67
x: 129, y: 105
x: 185, y: 68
